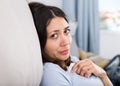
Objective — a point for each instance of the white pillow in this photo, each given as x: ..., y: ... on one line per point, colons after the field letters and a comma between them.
x: 20, y: 57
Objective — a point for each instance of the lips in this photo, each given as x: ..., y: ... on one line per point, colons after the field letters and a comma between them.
x: 64, y: 52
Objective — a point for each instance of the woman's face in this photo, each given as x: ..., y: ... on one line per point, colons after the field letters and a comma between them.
x: 58, y: 39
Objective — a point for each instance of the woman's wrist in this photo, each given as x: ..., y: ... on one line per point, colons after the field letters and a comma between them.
x: 106, y: 81
x: 103, y: 75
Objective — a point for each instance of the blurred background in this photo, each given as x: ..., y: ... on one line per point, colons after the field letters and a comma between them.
x: 95, y: 24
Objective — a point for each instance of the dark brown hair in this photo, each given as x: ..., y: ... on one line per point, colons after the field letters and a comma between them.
x: 42, y: 15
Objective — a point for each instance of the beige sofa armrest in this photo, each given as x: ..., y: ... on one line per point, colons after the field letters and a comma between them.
x: 20, y: 57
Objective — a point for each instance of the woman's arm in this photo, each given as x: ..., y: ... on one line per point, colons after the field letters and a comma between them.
x: 86, y: 67
x: 106, y: 81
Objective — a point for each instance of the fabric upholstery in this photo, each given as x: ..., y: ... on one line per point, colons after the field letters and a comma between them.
x: 20, y: 57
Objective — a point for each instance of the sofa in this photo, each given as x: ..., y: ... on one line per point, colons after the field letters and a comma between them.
x: 20, y: 55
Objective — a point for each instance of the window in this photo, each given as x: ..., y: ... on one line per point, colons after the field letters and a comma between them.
x: 109, y: 14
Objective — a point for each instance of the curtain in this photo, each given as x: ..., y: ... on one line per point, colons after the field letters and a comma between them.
x: 86, y: 13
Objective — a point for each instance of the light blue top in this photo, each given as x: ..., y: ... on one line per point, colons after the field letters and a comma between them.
x: 54, y: 75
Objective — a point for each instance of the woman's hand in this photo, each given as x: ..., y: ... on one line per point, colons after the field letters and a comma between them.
x: 86, y: 67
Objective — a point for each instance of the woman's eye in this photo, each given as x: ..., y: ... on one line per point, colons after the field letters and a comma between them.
x: 67, y: 31
x: 54, y: 36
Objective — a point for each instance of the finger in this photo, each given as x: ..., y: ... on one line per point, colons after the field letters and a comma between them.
x: 82, y: 69
x: 88, y: 73
x: 82, y: 73
x: 78, y: 67
x: 75, y: 67
x: 85, y: 62
x: 80, y: 64
x: 86, y: 69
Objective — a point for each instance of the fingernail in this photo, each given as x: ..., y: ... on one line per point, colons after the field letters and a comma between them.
x: 89, y: 75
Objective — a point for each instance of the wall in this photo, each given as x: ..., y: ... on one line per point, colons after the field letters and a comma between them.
x: 109, y: 39
x: 110, y: 5
x: 109, y: 43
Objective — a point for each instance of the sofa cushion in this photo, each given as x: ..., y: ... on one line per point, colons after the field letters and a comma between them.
x: 20, y: 57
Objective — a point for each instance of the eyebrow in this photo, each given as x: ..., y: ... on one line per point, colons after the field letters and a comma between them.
x: 58, y: 30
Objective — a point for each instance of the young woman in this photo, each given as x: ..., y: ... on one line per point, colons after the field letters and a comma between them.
x: 61, y: 68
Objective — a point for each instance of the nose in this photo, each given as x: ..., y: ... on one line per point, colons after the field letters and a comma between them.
x: 65, y: 40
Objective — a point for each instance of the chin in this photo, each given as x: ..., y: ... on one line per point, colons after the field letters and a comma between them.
x: 65, y: 57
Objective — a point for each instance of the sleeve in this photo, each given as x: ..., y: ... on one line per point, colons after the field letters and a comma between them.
x: 54, y: 77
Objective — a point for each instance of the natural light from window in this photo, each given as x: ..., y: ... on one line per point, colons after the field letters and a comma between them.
x: 109, y: 14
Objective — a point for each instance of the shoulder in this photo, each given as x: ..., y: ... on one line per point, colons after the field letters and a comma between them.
x: 53, y: 69
x: 74, y: 58
x: 54, y: 75
x: 48, y: 66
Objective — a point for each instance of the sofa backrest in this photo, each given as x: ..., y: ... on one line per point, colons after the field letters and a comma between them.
x: 20, y: 55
